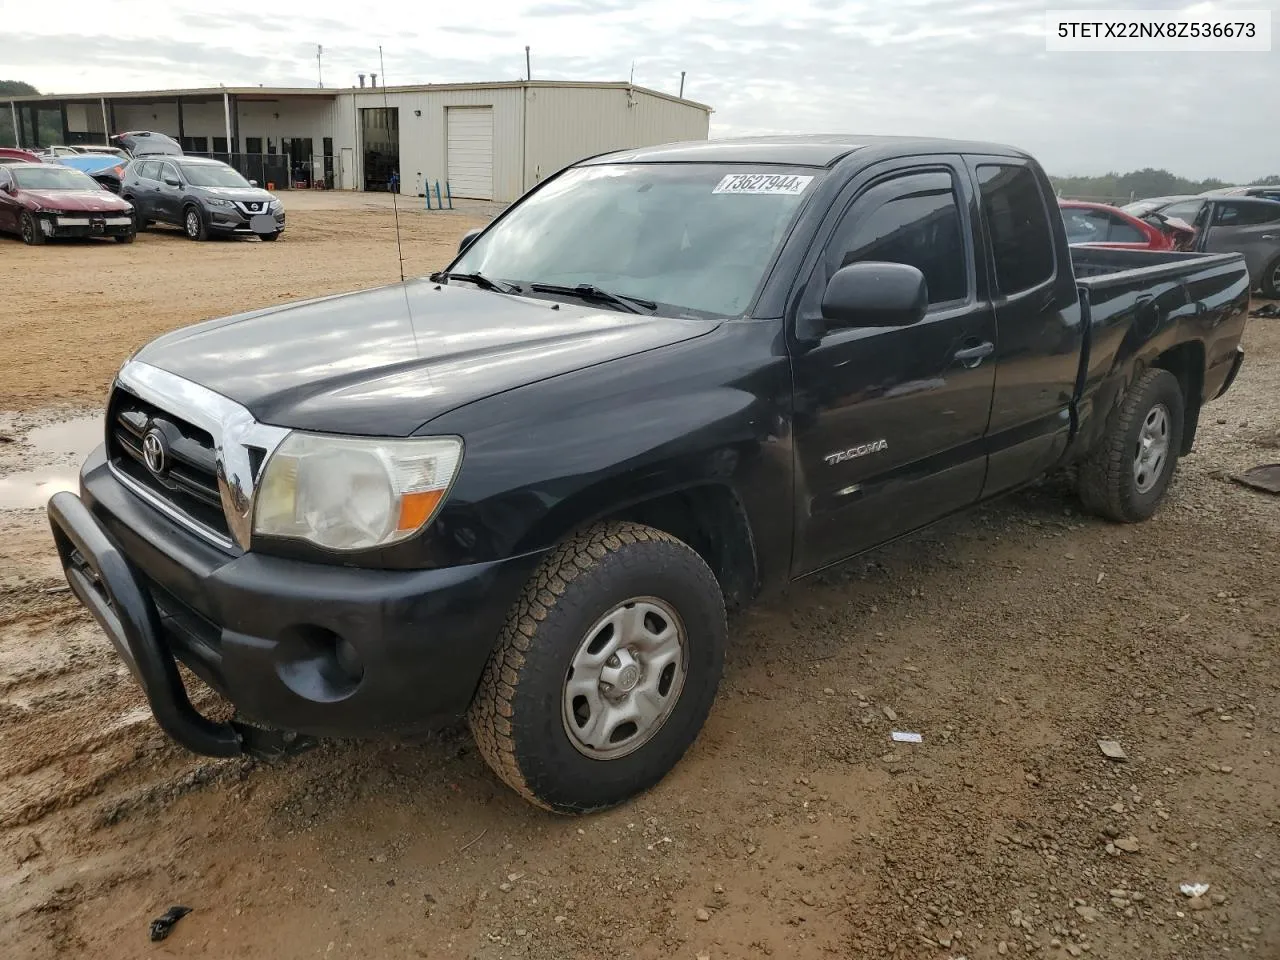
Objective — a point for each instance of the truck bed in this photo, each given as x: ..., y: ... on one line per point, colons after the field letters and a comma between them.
x: 1100, y: 268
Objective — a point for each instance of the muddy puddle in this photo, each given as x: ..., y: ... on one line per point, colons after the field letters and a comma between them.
x: 45, y: 460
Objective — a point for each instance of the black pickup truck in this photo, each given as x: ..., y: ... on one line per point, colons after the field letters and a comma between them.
x: 525, y: 490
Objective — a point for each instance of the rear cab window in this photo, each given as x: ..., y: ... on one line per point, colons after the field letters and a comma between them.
x: 1017, y: 223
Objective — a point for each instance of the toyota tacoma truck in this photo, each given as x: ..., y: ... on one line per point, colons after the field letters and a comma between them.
x: 524, y: 490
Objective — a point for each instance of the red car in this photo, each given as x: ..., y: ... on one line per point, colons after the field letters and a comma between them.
x: 18, y: 155
x: 1105, y: 226
x: 42, y: 201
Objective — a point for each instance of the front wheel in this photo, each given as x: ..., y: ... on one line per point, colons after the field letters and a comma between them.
x: 1271, y: 279
x: 1128, y: 472
x: 605, y: 671
x: 194, y: 226
x: 30, y: 231
x: 126, y: 237
x: 269, y: 237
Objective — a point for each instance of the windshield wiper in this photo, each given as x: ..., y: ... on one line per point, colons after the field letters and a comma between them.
x: 587, y: 291
x: 479, y: 279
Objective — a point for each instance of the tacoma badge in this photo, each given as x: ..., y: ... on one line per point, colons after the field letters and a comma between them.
x: 840, y: 456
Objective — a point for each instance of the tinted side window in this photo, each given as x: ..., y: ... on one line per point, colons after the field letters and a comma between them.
x: 913, y: 219
x: 1085, y: 226
x: 1245, y: 214
x: 4, y: 176
x: 1186, y: 210
x: 1021, y: 241
x: 1122, y: 232
x: 168, y: 171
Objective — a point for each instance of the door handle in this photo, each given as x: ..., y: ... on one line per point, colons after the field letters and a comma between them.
x: 1270, y: 236
x: 972, y: 356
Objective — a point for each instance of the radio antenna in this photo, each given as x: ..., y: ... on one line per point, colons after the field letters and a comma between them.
x: 395, y: 207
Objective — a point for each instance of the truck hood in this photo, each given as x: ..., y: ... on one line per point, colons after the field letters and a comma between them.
x: 387, y: 360
x: 78, y: 201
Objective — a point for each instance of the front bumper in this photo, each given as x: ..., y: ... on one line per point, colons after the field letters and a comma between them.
x: 306, y: 648
x: 86, y: 225
x: 232, y: 220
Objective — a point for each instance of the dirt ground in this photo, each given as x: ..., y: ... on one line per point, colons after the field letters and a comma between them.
x: 1011, y: 639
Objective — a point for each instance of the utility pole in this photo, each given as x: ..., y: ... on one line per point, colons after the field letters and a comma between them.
x: 319, y: 66
x: 681, y: 84
x: 528, y: 68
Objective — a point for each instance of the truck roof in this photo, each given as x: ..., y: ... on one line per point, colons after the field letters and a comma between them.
x: 815, y: 149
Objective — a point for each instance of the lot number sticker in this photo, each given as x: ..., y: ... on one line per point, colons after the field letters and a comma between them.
x: 775, y: 183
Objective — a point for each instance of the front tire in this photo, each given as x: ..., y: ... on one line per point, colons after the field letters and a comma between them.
x: 269, y: 237
x: 126, y: 237
x: 605, y: 671
x: 193, y: 224
x: 30, y: 231
x: 1271, y: 279
x: 1126, y: 475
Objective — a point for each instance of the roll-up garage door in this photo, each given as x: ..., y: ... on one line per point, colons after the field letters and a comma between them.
x: 470, y: 131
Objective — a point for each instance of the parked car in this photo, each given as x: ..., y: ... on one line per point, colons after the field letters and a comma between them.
x: 204, y: 197
x: 43, y: 201
x: 1263, y: 192
x: 665, y: 379
x: 106, y: 169
x: 1141, y: 207
x: 1107, y: 226
x: 17, y: 155
x: 1236, y: 224
x: 143, y: 143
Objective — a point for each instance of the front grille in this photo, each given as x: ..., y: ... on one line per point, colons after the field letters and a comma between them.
x: 189, y: 481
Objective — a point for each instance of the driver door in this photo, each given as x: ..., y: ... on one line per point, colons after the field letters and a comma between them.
x: 8, y: 205
x: 889, y: 421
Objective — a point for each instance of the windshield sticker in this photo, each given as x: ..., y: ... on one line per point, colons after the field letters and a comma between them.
x: 775, y: 183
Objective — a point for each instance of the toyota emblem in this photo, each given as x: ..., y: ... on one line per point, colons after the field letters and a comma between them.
x: 155, y: 452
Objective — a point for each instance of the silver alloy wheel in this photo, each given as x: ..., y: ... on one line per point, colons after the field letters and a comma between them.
x: 193, y: 223
x: 1275, y: 277
x: 625, y: 678
x: 1152, y: 452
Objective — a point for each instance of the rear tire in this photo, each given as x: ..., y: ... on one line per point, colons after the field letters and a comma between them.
x: 1271, y: 279
x: 193, y: 224
x: 1126, y: 475
x: 620, y: 621
x: 30, y: 230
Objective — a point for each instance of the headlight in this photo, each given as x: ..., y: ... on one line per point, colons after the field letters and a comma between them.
x: 274, y: 206
x: 351, y: 493
x: 218, y: 202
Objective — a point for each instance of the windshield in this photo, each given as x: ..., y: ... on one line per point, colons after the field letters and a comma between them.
x: 212, y: 175
x: 52, y: 178
x: 689, y: 237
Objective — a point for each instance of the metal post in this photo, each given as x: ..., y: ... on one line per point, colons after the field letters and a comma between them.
x: 226, y: 115
x: 448, y: 192
x: 106, y: 127
x: 528, y: 69
x: 17, y: 131
x: 681, y: 84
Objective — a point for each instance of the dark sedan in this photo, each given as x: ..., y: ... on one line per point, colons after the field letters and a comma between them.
x: 204, y: 197
x: 42, y: 201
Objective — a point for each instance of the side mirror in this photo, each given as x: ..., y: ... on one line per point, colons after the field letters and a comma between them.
x: 172, y: 181
x: 253, y: 183
x: 469, y: 237
x: 8, y: 187
x: 874, y: 294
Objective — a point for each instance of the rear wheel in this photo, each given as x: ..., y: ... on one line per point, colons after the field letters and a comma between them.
x: 30, y: 230
x: 1271, y: 279
x: 1128, y: 472
x: 605, y: 671
x: 193, y: 224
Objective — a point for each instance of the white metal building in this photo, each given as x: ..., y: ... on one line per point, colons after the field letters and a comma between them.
x: 485, y: 141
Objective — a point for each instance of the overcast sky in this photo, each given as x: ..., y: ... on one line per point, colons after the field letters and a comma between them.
x: 958, y: 68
